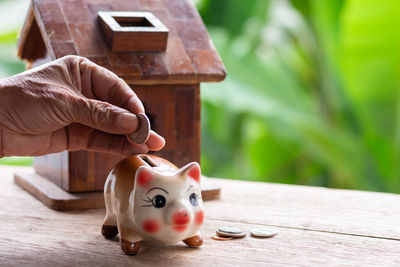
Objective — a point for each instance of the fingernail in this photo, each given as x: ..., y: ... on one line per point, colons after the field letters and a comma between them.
x: 128, y: 122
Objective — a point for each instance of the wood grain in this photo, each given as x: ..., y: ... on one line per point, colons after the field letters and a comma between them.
x: 312, y: 208
x: 31, y: 234
x: 174, y: 112
x: 54, y: 197
x: 71, y: 27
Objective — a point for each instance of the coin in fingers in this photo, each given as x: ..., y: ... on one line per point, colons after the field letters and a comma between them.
x: 142, y: 133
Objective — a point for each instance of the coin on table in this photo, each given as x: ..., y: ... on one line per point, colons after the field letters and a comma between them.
x: 224, y: 234
x: 231, y: 230
x: 220, y: 238
x: 263, y: 232
x: 142, y: 133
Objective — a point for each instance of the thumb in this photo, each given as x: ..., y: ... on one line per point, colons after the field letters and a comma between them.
x: 104, y: 116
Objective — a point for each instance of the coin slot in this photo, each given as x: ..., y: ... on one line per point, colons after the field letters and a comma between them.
x: 133, y: 22
x: 149, y: 161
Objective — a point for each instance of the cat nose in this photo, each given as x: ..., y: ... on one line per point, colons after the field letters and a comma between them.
x: 181, y: 216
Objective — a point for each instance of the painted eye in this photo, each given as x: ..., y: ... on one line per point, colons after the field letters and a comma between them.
x: 158, y: 201
x: 193, y: 199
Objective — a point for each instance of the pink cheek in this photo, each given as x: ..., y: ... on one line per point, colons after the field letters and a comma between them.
x: 199, y: 217
x: 151, y: 226
x: 144, y: 178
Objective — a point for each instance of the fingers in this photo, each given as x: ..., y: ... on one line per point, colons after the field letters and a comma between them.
x: 33, y: 145
x: 155, y: 141
x: 81, y: 137
x: 108, y: 118
x: 85, y: 138
x: 113, y: 144
x: 104, y: 116
x: 100, y: 83
x: 75, y: 137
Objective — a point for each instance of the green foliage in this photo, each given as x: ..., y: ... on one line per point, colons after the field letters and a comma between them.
x: 12, y: 15
x: 311, y: 95
x: 371, y: 72
x: 9, y: 64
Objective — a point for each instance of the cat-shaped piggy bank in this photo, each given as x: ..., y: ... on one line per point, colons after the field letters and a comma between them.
x: 149, y: 198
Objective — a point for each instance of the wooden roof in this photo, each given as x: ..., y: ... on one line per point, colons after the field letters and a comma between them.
x: 65, y: 27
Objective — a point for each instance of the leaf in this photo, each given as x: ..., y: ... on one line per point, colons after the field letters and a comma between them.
x: 371, y: 63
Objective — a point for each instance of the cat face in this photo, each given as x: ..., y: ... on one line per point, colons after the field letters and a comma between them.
x: 167, y: 203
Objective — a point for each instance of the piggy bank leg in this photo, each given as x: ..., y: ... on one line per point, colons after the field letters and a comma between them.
x: 194, y: 241
x: 109, y: 231
x: 130, y: 240
x: 109, y: 228
x: 130, y: 248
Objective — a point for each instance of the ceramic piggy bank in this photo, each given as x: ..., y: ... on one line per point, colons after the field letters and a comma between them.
x: 149, y: 198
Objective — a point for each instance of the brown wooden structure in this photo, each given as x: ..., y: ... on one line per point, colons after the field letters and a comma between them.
x: 167, y: 81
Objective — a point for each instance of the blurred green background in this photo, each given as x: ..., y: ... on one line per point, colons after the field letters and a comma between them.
x: 311, y: 97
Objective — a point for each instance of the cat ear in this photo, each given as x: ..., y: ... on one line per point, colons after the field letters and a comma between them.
x: 192, y: 170
x: 144, y: 175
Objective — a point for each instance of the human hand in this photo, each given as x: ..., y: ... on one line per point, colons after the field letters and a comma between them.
x: 69, y: 104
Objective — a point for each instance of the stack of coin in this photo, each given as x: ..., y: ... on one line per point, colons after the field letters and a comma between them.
x: 228, y: 233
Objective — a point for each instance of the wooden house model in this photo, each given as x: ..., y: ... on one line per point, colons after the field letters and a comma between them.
x: 161, y: 48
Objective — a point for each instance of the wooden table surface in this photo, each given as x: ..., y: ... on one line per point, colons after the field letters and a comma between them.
x: 317, y: 226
